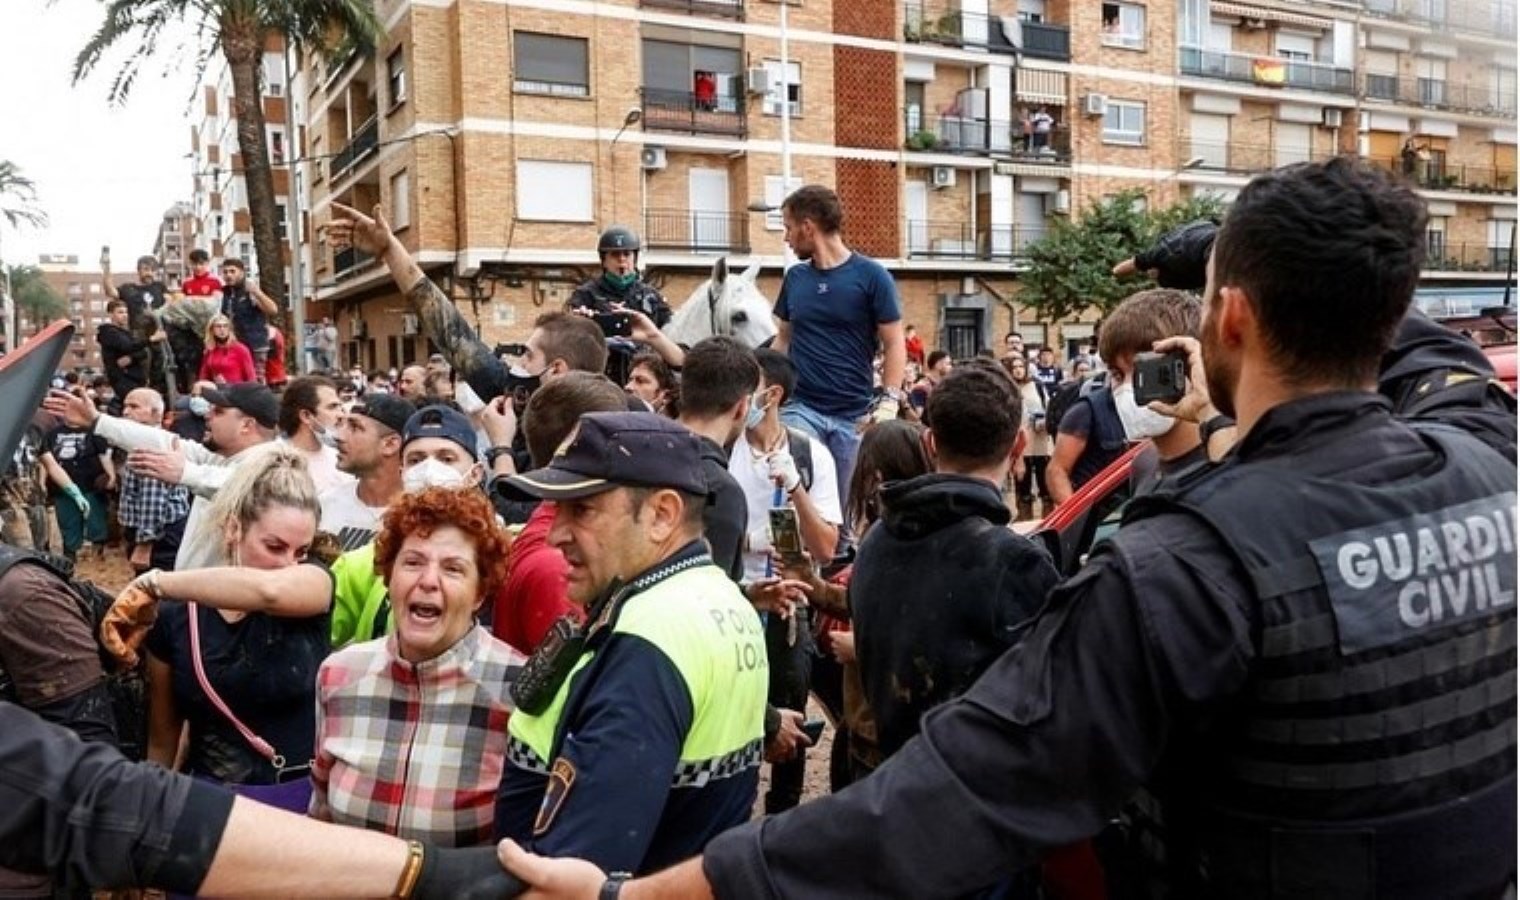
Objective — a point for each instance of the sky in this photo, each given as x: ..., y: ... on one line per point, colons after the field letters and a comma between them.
x: 104, y: 175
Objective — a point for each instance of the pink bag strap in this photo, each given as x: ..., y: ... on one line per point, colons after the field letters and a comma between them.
x: 257, y: 743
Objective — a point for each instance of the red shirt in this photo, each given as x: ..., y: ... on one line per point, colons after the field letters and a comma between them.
x: 534, y: 594
x: 201, y: 285
x: 274, y: 367
x: 231, y: 362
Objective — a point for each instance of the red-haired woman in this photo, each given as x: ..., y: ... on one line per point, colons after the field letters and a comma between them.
x: 412, y: 728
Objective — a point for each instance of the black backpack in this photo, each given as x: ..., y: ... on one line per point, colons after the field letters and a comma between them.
x: 801, y: 448
x: 1065, y: 396
x: 127, y: 690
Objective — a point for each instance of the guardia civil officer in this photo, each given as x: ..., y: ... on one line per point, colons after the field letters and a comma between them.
x: 619, y: 287
x: 636, y: 742
x: 1305, y: 656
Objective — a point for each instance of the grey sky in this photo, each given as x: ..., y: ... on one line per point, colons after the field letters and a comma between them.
x: 104, y: 175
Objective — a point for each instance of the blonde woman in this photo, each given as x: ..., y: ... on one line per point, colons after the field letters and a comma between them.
x: 226, y: 360
x: 237, y: 661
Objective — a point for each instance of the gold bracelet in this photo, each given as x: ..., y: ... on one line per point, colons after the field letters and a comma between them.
x: 413, y: 869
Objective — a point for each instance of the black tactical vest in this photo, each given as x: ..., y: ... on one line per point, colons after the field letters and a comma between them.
x: 1372, y: 752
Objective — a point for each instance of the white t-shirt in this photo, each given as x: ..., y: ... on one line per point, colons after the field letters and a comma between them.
x: 353, y: 521
x: 753, y: 474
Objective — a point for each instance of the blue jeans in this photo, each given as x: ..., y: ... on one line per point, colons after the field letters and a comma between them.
x: 836, y: 432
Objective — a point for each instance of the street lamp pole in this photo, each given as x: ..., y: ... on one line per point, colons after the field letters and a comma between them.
x: 297, y: 337
x: 786, y: 130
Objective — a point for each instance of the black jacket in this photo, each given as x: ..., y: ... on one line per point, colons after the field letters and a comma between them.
x: 940, y: 590
x: 727, y: 512
x: 115, y: 343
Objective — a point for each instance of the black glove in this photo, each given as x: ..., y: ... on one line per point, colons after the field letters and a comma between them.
x: 1181, y: 257
x: 467, y: 873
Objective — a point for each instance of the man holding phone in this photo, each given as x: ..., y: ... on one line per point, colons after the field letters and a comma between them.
x: 618, y: 291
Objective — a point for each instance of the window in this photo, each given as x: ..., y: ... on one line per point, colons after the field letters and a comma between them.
x: 1382, y: 75
x: 1124, y: 122
x: 699, y: 74
x: 1291, y: 45
x: 282, y: 227
x: 1432, y: 80
x: 774, y: 194
x: 913, y: 102
x: 554, y: 191
x: 1501, y: 241
x: 549, y: 64
x: 1435, y: 243
x: 277, y: 147
x: 791, y: 83
x: 1502, y: 94
x: 274, y: 74
x: 245, y: 252
x: 395, y: 75
x: 1124, y: 26
x: 1031, y: 11
x: 401, y: 199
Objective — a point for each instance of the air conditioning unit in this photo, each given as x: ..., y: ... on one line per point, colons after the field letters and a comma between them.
x: 1332, y: 117
x: 757, y: 80
x: 410, y: 325
x: 1095, y: 104
x: 652, y: 159
x: 1058, y: 203
x: 942, y: 177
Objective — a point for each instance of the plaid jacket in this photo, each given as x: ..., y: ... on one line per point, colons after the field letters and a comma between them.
x: 149, y: 505
x: 414, y: 751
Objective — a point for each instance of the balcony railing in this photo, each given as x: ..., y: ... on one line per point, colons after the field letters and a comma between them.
x: 349, y: 262
x: 987, y: 137
x: 1443, y: 257
x: 1439, y: 94
x: 1493, y: 19
x: 359, y: 146
x: 684, y: 111
x: 927, y: 239
x: 726, y: 9
x: 695, y: 231
x: 1238, y: 157
x: 1436, y: 175
x: 1268, y: 71
x: 1044, y: 41
x: 930, y: 24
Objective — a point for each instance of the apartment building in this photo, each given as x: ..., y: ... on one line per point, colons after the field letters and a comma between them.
x: 80, y: 287
x: 219, y: 205
x: 502, y: 135
x: 175, y: 240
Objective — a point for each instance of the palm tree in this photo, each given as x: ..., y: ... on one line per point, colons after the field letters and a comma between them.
x: 35, y: 297
x: 18, y: 197
x: 239, y: 30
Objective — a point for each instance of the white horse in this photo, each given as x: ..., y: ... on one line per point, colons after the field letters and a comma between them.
x: 725, y: 304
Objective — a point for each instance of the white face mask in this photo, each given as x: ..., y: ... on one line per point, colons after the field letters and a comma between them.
x: 1139, y: 423
x: 430, y: 473
x: 324, y: 436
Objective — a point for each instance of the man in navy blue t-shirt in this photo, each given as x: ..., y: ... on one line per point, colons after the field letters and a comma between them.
x: 833, y: 310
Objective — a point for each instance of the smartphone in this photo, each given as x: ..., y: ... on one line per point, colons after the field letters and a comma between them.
x: 813, y: 728
x: 614, y: 324
x: 105, y: 254
x: 1160, y: 376
x: 786, y: 534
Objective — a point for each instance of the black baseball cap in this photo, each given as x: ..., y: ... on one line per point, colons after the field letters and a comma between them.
x: 248, y: 397
x: 440, y: 421
x: 387, y: 409
x: 619, y: 449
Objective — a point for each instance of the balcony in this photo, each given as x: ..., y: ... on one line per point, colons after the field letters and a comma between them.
x: 1443, y: 257
x: 350, y: 262
x: 953, y: 28
x: 723, y: 9
x: 693, y: 231
x: 946, y: 240
x: 1487, y: 19
x: 1435, y: 175
x: 359, y: 146
x: 1266, y: 71
x: 1435, y: 93
x: 1238, y: 158
x: 1040, y: 40
x: 964, y: 135
x: 686, y: 112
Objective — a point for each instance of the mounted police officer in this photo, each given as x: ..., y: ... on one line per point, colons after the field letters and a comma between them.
x: 1304, y: 655
x: 619, y: 288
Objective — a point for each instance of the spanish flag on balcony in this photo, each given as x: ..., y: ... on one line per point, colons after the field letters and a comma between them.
x: 1266, y: 70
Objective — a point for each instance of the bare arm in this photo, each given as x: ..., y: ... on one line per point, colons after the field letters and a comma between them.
x: 266, y: 852
x: 1063, y: 460
x: 55, y: 472
x: 294, y: 592
x: 164, y: 721
x: 819, y: 536
x: 783, y: 339
x: 106, y: 285
x: 265, y: 302
x: 894, y: 348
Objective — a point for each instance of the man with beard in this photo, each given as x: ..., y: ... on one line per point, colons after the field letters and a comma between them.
x: 1312, y: 708
x: 369, y: 449
x: 249, y: 308
x: 144, y: 298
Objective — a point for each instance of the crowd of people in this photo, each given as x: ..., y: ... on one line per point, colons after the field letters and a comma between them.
x: 497, y: 622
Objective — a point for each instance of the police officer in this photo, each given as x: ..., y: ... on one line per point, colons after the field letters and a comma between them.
x: 635, y: 744
x: 1305, y: 654
x: 618, y: 288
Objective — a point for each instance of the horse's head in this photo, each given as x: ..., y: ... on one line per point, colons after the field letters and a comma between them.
x: 726, y: 304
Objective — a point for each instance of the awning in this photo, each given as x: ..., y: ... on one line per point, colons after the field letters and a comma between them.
x: 1270, y: 15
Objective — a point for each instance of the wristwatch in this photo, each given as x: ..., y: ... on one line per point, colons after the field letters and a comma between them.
x: 1218, y: 423
x: 496, y: 453
x: 613, y: 885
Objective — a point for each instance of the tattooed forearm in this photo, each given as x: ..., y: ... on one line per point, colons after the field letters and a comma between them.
x: 460, y: 345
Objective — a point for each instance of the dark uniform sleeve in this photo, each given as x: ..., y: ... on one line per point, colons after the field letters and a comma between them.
x: 48, y: 647
x: 86, y: 815
x: 461, y: 346
x: 622, y: 753
x: 1040, y: 753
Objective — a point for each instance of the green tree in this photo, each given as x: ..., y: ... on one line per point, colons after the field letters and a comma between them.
x: 239, y: 30
x: 1070, y: 269
x: 18, y: 198
x: 35, y: 297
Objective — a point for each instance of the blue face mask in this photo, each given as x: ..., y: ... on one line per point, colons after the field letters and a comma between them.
x: 756, y: 413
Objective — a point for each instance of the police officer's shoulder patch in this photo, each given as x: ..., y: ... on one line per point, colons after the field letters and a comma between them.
x: 561, y: 779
